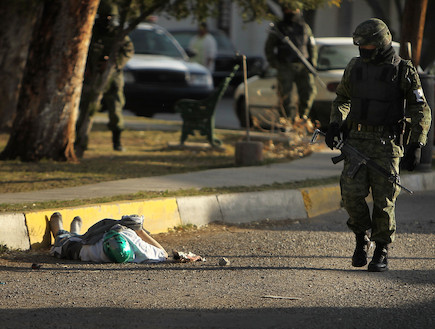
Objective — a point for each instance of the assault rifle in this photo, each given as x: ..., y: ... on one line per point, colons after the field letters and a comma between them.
x: 290, y: 43
x: 357, y: 159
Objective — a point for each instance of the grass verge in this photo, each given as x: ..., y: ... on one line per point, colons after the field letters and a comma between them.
x: 147, y: 154
x: 19, y: 207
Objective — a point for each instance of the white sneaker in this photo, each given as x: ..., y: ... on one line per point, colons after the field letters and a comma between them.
x: 76, y: 225
x: 56, y: 223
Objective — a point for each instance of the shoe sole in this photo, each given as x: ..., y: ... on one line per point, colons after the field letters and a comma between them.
x: 359, y: 265
x: 377, y: 269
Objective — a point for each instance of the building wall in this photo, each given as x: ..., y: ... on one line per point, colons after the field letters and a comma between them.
x: 249, y: 38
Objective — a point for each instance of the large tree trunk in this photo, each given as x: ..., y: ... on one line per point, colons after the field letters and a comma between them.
x: 13, y: 52
x: 412, y: 28
x: 47, y: 109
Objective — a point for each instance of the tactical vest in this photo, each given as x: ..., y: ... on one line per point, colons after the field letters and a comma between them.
x: 376, y: 96
x: 297, y: 33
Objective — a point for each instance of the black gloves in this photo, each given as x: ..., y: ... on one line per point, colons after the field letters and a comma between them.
x: 333, y: 131
x: 412, y: 157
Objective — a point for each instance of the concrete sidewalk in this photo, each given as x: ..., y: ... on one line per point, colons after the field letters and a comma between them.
x: 318, y: 165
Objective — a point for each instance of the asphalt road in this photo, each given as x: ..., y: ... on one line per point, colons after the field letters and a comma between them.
x: 305, y: 263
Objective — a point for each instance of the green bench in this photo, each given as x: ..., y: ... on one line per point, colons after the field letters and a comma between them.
x: 200, y: 114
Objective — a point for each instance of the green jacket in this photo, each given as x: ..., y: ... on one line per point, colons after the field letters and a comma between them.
x: 302, y: 38
x: 417, y: 109
x: 104, y: 36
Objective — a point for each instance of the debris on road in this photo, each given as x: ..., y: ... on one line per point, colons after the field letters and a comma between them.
x: 281, y: 297
x: 224, y: 262
x: 186, y: 257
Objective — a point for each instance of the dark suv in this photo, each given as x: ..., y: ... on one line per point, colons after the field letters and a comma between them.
x: 227, y: 56
x: 160, y: 73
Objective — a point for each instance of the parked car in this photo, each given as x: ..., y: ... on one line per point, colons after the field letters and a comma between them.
x: 334, y: 55
x: 160, y: 73
x: 227, y: 56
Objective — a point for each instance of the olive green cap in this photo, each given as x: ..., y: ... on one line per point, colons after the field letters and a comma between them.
x: 372, y: 32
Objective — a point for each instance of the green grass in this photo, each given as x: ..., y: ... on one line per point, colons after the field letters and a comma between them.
x: 147, y: 154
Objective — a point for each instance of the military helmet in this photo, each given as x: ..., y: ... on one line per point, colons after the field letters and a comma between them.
x: 372, y: 32
x: 116, y: 247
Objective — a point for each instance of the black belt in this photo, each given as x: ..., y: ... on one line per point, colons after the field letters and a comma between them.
x: 366, y: 128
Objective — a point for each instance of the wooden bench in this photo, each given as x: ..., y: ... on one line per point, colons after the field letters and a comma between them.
x: 200, y: 114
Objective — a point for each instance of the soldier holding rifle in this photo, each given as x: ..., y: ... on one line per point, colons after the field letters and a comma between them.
x: 378, y: 91
x: 293, y: 32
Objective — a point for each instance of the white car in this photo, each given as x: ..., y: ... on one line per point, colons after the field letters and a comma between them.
x: 334, y: 55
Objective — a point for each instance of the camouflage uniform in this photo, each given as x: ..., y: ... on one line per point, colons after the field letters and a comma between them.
x: 290, y: 69
x: 103, y: 38
x: 369, y: 108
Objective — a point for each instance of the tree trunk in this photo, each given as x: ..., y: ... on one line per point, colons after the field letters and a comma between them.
x: 47, y: 109
x: 92, y: 95
x: 13, y: 52
x: 412, y: 28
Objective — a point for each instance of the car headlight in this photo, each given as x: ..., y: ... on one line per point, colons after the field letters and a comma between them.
x: 128, y: 76
x: 200, y: 80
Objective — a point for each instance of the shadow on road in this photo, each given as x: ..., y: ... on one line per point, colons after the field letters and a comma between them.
x: 279, y: 315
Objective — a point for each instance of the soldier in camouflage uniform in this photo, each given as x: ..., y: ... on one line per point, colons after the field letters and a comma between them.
x: 369, y: 112
x: 103, y: 37
x: 289, y: 66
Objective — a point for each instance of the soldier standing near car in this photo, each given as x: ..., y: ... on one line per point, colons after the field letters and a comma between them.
x: 104, y: 35
x: 290, y: 68
x: 369, y: 113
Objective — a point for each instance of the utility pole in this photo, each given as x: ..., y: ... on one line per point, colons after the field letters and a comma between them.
x: 414, y: 15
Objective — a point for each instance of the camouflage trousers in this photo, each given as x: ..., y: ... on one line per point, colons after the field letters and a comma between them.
x: 113, y: 101
x: 354, y: 191
x: 67, y: 245
x: 298, y: 74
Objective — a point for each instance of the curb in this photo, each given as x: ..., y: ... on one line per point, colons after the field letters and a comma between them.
x: 31, y: 230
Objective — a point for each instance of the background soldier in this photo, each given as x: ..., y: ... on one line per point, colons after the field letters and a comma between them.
x: 369, y: 111
x: 104, y: 35
x: 290, y: 68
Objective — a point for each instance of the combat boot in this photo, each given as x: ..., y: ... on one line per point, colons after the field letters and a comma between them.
x: 56, y: 223
x: 116, y: 140
x: 379, y: 261
x: 359, y: 257
x: 76, y: 225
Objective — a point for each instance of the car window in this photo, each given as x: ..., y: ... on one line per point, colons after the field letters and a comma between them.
x: 335, y: 57
x: 154, y: 42
x: 223, y: 42
x: 183, y: 38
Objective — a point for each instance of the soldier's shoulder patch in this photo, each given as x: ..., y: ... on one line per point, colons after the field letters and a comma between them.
x: 419, y: 95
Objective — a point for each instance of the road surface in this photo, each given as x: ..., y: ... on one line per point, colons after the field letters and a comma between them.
x: 305, y: 263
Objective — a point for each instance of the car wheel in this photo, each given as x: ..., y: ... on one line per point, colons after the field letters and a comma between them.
x: 241, y: 113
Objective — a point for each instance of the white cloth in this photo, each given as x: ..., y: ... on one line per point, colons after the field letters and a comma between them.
x: 94, y: 253
x: 143, y: 252
x: 205, y: 49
